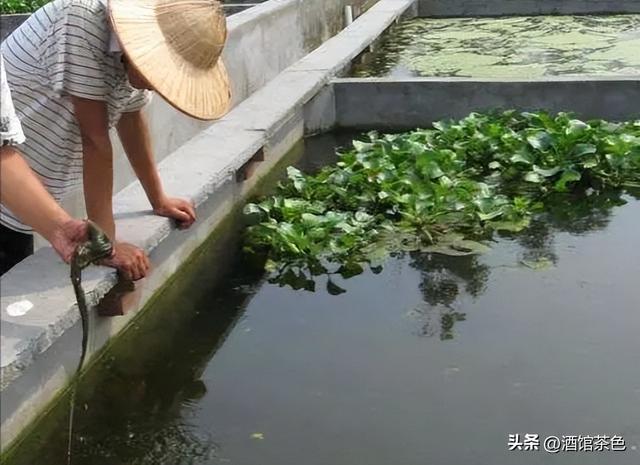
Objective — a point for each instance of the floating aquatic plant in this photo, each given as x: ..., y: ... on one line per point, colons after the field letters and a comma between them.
x: 440, y: 190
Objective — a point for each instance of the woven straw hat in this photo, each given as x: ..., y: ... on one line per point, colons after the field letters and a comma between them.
x: 176, y: 45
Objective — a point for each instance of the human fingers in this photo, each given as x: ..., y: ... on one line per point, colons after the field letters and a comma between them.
x: 130, y: 261
x: 190, y: 209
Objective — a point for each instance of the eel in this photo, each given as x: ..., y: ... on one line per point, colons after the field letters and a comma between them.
x: 97, y: 247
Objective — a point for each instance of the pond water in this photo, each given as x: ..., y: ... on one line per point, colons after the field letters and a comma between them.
x: 515, y: 47
x: 435, y: 360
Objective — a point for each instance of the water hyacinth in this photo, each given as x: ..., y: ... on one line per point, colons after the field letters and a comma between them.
x: 440, y: 190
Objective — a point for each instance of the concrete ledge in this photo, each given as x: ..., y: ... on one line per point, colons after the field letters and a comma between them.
x: 336, y: 56
x: 405, y: 104
x: 453, y: 8
x: 40, y: 349
x: 289, y: 91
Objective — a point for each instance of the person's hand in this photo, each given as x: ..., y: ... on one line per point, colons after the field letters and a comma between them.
x: 180, y: 210
x: 68, y: 236
x: 129, y: 260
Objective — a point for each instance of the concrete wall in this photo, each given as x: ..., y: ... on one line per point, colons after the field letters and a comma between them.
x: 524, y: 7
x: 316, y: 32
x: 388, y: 104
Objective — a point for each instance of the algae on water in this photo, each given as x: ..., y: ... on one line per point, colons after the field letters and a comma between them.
x: 516, y: 47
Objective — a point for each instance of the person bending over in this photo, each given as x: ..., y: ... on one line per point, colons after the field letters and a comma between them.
x: 78, y: 68
x: 22, y: 192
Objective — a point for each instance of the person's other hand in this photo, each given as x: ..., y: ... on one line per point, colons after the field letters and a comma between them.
x: 180, y: 210
x: 131, y: 261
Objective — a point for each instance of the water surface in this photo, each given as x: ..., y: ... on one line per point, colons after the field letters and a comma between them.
x: 433, y: 361
x: 514, y: 47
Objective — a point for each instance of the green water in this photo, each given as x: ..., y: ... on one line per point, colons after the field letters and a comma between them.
x: 516, y: 47
x: 433, y: 361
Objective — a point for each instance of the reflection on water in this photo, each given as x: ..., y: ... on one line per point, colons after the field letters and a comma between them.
x: 154, y: 396
x: 518, y: 47
x: 575, y: 214
x: 250, y: 373
x: 141, y: 406
x: 443, y: 281
x: 446, y: 278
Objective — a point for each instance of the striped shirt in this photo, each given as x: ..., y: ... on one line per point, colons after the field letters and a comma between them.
x: 64, y: 49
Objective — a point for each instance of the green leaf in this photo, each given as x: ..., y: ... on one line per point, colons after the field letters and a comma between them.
x: 293, y: 172
x: 312, y: 219
x: 433, y: 171
x: 590, y: 162
x: 442, y: 125
x: 270, y: 266
x: 252, y: 209
x: 363, y: 217
x: 362, y: 147
x: 547, y: 173
x: 534, y: 177
x: 584, y: 149
x: 445, y: 181
x: 522, y: 157
x: 576, y: 127
x: 490, y: 215
x: 427, y: 163
x: 376, y: 253
x: 541, y: 141
x: 510, y: 226
x: 567, y: 177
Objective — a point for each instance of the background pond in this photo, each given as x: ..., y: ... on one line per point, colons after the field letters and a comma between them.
x: 516, y: 47
x: 433, y: 361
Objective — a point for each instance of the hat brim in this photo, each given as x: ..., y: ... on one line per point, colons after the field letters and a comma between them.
x: 200, y: 93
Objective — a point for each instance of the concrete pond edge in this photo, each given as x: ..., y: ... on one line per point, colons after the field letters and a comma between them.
x: 403, y: 104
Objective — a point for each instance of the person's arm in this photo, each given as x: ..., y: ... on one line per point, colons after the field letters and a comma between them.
x: 22, y: 192
x: 97, y: 162
x: 134, y: 135
x: 98, y: 183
